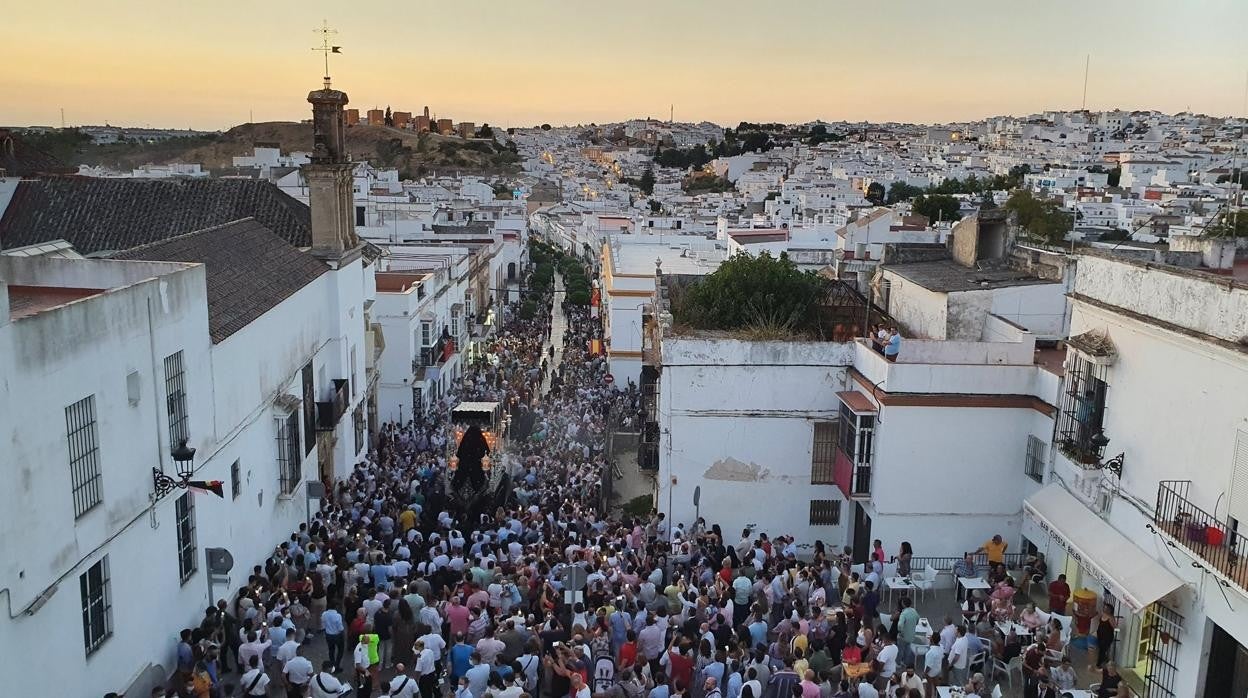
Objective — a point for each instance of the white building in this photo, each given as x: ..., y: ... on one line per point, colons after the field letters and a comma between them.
x: 230, y: 337
x: 627, y: 284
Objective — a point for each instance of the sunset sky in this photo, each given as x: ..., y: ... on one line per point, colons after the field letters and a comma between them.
x: 206, y: 65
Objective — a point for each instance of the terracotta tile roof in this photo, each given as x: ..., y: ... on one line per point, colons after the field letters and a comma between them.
x: 20, y: 160
x: 102, y: 215
x: 250, y: 270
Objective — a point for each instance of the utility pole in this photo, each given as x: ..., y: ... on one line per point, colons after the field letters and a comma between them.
x: 1086, y: 65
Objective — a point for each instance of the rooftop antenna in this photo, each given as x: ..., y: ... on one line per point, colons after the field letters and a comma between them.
x: 1086, y: 65
x: 326, y: 46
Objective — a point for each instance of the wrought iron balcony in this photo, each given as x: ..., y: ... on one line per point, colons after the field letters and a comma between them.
x: 330, y: 411
x: 1203, y: 534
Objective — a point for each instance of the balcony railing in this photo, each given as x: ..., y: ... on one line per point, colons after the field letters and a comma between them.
x: 1200, y: 532
x: 330, y: 411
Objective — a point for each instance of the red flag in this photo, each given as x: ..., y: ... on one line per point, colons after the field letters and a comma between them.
x: 214, y: 486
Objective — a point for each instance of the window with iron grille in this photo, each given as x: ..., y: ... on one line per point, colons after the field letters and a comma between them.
x: 856, y: 435
x: 187, y: 560
x: 236, y: 480
x: 1035, y: 458
x: 84, y: 454
x: 289, y: 456
x: 426, y: 334
x: 309, y: 411
x: 358, y: 418
x: 97, y: 605
x: 455, y: 322
x: 1082, y: 414
x: 823, y: 453
x: 175, y: 399
x: 825, y: 512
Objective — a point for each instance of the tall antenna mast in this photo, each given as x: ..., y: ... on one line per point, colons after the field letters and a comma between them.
x: 62, y: 117
x: 1086, y: 65
x: 671, y: 115
x: 327, y: 46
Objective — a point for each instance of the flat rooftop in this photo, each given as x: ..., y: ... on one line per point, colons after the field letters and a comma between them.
x: 947, y: 276
x: 25, y: 301
x: 678, y: 257
x: 399, y: 282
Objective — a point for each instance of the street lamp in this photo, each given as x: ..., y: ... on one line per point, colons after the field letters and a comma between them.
x: 184, y: 464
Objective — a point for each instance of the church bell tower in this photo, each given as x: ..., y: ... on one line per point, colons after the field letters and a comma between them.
x: 329, y: 178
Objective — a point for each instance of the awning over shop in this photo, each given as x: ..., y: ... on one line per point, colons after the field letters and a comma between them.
x: 1107, y: 555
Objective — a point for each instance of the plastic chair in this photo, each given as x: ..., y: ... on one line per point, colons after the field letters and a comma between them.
x: 996, y: 691
x: 924, y: 583
x: 1066, y: 622
x: 977, y: 661
x: 1015, y: 664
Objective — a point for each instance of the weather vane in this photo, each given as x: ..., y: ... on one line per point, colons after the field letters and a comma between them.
x: 326, y: 46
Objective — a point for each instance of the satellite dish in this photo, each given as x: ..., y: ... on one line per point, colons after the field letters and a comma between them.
x: 697, y: 495
x: 220, y: 561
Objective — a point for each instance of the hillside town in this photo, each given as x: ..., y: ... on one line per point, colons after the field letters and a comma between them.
x: 641, y: 410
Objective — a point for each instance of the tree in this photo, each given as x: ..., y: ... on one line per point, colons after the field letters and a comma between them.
x: 937, y: 207
x: 875, y: 193
x: 756, y: 140
x: 1043, y: 220
x: 1229, y: 226
x: 762, y: 294
x: 388, y: 118
x: 655, y: 206
x: 485, y: 131
x: 646, y: 183
x: 545, y: 127
x: 900, y: 191
x: 1115, y: 175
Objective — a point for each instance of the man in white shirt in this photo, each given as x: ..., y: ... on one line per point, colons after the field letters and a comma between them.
x: 325, y: 684
x: 426, y: 669
x: 361, y: 662
x: 887, y: 657
x: 255, y: 646
x: 287, y: 651
x: 434, y: 642
x: 402, y: 685
x: 255, y: 682
x: 948, y: 634
x: 959, y: 659
x: 298, y: 672
x: 934, y: 664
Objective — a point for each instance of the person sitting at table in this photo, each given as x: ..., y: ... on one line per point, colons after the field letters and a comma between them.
x: 974, y: 609
x: 1003, y: 600
x: 977, y: 686
x: 1034, y: 570
x: 1053, y: 639
x: 1006, y: 646
x: 1063, y: 675
x: 996, y: 574
x: 1110, y: 679
x: 1045, y: 688
x: 965, y: 567
x: 1030, y: 617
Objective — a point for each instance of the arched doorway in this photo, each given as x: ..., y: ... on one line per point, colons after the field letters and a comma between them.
x: 511, y: 271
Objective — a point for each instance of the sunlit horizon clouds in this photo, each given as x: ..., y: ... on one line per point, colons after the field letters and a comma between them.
x: 214, y: 65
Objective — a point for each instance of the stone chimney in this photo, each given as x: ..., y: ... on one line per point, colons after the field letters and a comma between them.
x: 329, y: 178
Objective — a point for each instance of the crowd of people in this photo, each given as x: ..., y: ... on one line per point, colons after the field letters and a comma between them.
x: 546, y: 595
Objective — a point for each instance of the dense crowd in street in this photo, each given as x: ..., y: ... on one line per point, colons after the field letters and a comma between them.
x: 396, y: 596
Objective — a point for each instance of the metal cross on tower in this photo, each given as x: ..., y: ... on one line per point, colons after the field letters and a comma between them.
x: 326, y: 46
